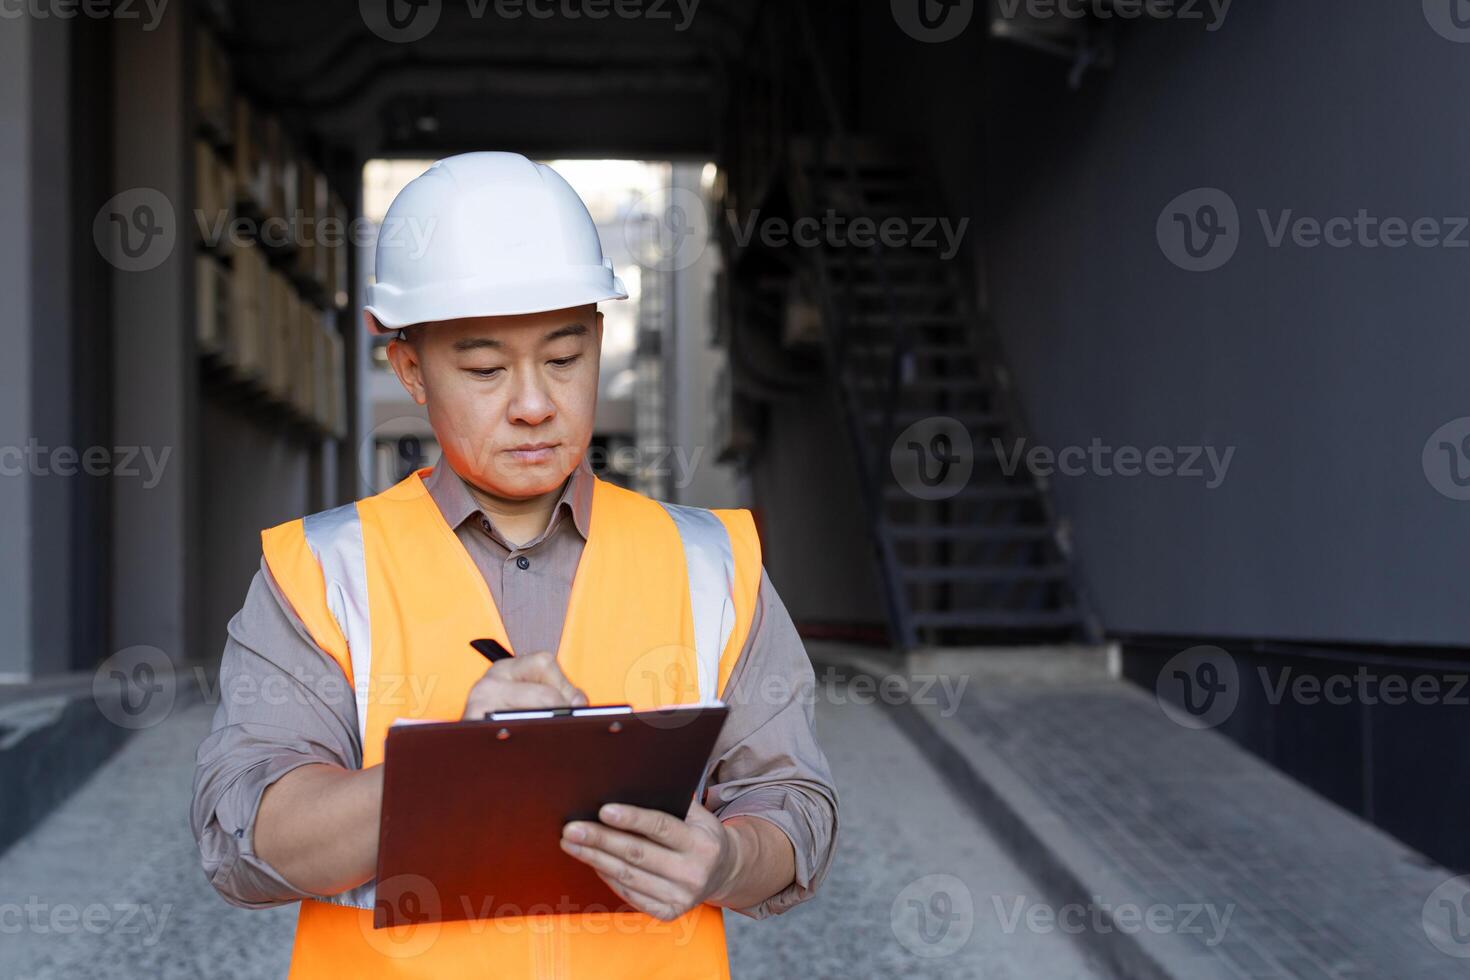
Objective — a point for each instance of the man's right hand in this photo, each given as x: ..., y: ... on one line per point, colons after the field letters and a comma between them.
x: 523, y: 683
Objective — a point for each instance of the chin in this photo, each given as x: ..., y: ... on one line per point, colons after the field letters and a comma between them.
x: 517, y: 481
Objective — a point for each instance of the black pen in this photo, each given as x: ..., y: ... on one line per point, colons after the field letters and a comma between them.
x: 492, y: 650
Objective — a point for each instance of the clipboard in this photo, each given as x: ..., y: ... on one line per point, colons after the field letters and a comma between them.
x: 472, y: 811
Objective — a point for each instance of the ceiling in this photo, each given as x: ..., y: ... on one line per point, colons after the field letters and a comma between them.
x: 365, y: 78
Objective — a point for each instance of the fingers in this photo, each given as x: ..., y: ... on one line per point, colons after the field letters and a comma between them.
x: 628, y: 877
x: 646, y: 904
x: 540, y: 668
x: 531, y: 696
x: 656, y: 825
x: 624, y: 849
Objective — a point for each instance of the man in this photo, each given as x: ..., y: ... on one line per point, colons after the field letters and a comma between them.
x: 363, y: 614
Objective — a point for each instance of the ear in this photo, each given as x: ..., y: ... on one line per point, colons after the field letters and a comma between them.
x: 404, y: 358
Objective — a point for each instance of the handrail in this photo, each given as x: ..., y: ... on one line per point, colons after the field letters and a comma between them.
x: 871, y: 459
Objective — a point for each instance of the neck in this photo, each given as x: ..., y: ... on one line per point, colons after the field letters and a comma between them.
x: 518, y: 519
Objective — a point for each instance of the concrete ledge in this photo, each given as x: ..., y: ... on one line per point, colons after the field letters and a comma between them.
x: 1025, y: 825
x: 1113, y: 808
x: 56, y: 732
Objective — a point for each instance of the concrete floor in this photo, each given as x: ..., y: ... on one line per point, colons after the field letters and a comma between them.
x: 906, y: 896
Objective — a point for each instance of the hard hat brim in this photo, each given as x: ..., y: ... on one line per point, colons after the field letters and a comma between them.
x: 393, y: 309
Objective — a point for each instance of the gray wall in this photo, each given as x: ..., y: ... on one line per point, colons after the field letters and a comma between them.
x: 252, y: 479
x: 817, y: 550
x: 1326, y: 368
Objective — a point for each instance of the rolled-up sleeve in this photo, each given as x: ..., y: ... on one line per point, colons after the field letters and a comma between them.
x: 768, y: 763
x: 283, y: 703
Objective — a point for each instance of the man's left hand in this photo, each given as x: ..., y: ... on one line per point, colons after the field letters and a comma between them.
x: 656, y: 863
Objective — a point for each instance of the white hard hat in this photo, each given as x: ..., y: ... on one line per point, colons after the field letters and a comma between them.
x: 486, y: 234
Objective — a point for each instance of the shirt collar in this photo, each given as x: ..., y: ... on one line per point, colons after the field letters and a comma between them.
x: 457, y: 504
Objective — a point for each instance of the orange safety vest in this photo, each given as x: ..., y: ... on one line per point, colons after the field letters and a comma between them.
x: 660, y: 608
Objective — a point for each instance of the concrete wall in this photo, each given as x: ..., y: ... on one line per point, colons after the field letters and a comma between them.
x: 16, y: 117
x: 1327, y: 369
x: 252, y: 479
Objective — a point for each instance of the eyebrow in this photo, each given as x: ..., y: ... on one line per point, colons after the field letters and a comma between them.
x: 476, y: 343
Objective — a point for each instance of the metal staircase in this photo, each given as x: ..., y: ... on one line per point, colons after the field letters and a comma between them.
x: 904, y: 345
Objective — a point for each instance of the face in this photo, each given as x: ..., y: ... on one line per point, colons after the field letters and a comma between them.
x: 511, y: 398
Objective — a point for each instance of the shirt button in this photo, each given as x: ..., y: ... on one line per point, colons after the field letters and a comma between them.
x: 485, y: 524
x: 523, y: 563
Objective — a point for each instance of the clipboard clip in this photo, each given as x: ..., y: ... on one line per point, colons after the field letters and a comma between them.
x: 591, y: 712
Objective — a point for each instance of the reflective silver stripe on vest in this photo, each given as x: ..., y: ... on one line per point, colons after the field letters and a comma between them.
x: 335, y: 538
x: 711, y: 564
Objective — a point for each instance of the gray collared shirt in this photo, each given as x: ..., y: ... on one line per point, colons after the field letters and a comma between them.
x: 283, y: 704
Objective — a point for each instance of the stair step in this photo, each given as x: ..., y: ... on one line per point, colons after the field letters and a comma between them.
x: 893, y: 257
x: 948, y: 385
x: 986, y: 573
x: 903, y: 418
x: 997, y: 618
x: 906, y: 319
x: 1000, y: 494
x: 970, y: 533
x: 880, y: 350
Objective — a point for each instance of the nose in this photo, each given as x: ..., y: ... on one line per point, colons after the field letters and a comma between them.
x: 530, y: 402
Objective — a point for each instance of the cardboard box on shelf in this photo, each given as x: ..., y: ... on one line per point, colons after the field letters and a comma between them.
x: 214, y: 198
x: 213, y: 89
x: 213, y: 296
x: 337, y: 254
x: 303, y: 388
x: 336, y: 377
x: 247, y: 356
x: 309, y: 249
x: 281, y: 198
x: 278, y: 333
x: 252, y: 171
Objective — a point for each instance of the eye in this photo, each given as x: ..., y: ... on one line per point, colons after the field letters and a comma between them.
x: 485, y: 372
x: 564, y: 361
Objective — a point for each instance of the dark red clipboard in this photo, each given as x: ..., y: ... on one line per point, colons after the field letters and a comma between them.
x: 473, y: 810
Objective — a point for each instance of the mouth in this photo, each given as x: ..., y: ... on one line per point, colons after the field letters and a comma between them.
x: 533, y: 453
